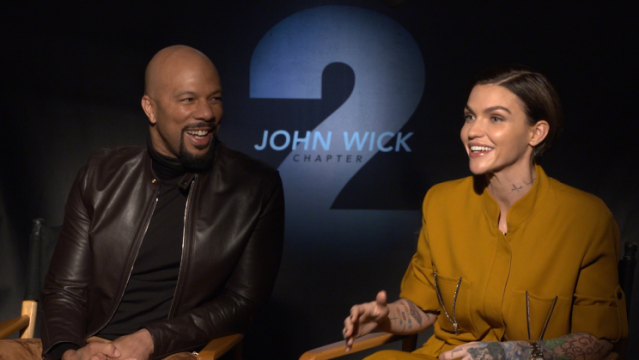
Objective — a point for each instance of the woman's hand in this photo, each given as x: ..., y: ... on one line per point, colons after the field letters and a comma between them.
x: 365, y: 318
x: 571, y: 346
x: 507, y: 350
x: 478, y: 350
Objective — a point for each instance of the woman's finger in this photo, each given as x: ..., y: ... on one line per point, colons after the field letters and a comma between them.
x: 355, y: 313
x: 457, y: 353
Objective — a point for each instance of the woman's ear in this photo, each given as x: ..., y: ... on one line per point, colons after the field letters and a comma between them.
x: 539, y: 132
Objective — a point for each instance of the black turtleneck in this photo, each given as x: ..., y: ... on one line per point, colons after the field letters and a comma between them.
x: 149, y: 293
x: 151, y: 287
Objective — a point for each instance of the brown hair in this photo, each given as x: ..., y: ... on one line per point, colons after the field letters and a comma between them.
x: 538, y: 97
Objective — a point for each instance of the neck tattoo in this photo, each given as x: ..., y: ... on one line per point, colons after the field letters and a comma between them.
x: 515, y: 188
x: 529, y: 183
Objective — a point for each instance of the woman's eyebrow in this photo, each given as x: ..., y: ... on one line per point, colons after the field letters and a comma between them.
x: 497, y: 107
x: 468, y: 108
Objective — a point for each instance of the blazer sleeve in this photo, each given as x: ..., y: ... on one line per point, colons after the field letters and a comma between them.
x: 599, y: 305
x: 418, y: 284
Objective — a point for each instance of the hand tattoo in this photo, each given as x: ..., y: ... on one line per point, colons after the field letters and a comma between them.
x: 491, y: 351
x: 577, y: 346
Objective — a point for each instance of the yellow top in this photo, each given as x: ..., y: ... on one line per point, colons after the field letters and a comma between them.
x: 561, y: 242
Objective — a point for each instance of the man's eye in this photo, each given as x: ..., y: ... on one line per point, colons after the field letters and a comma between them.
x: 216, y: 99
x: 190, y: 99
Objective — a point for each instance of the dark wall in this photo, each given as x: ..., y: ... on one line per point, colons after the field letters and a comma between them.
x: 72, y: 78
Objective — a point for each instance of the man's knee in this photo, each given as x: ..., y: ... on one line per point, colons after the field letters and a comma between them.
x: 21, y: 349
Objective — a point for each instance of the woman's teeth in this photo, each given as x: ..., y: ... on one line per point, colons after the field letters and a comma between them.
x: 480, y: 148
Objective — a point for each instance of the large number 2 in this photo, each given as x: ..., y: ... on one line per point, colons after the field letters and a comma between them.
x: 389, y: 83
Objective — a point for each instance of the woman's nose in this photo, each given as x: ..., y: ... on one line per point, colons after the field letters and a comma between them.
x: 475, y: 129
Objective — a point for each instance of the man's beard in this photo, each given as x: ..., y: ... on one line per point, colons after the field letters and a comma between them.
x: 193, y: 163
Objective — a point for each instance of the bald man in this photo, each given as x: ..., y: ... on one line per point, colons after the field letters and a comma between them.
x: 167, y: 246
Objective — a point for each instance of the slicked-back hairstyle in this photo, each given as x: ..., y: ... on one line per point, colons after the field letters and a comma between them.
x: 537, y: 95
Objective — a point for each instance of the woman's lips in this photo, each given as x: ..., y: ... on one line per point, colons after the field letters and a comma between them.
x: 479, y: 150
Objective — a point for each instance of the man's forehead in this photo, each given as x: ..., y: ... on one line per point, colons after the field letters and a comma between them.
x: 175, y: 66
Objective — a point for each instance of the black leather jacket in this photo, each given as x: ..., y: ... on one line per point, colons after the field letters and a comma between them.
x: 233, y: 237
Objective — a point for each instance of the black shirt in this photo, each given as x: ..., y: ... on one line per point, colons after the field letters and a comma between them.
x: 151, y: 287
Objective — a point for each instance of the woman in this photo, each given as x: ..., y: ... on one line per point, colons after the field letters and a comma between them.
x: 510, y: 256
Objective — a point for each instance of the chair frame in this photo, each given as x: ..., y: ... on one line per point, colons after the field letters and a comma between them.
x: 25, y: 324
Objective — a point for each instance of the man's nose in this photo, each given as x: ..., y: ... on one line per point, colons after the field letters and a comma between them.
x: 204, y: 111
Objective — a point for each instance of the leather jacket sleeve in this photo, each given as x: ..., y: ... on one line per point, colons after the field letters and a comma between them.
x: 246, y: 290
x: 64, y: 295
x: 233, y: 250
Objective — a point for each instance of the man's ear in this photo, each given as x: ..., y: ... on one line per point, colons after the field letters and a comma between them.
x: 149, y: 108
x: 539, y: 132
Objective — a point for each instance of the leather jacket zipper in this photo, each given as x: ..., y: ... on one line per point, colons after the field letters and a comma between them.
x: 137, y: 250
x: 186, y: 212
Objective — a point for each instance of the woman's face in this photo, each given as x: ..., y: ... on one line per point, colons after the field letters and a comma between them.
x: 496, y: 133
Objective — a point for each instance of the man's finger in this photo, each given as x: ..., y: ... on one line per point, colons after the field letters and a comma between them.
x: 108, y: 349
x: 111, y: 351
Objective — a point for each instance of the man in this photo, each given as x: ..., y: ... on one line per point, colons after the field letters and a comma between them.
x: 168, y: 246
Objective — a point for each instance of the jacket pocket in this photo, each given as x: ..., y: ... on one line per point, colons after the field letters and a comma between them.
x: 539, y: 309
x: 458, y: 310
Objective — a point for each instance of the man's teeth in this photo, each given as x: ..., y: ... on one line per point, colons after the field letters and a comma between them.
x: 480, y: 148
x: 197, y: 132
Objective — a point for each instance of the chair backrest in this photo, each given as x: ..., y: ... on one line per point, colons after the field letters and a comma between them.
x: 627, y: 266
x: 42, y: 242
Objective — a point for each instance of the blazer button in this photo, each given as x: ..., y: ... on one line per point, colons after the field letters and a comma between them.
x: 154, y: 181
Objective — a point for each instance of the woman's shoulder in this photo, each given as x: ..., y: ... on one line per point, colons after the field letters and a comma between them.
x: 573, y: 199
x: 450, y: 190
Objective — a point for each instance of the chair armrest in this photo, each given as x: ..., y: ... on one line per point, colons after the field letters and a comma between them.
x: 220, y: 346
x: 25, y: 323
x: 30, y: 309
x: 11, y: 326
x: 366, y: 342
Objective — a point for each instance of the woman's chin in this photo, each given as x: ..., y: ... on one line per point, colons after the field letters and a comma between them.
x: 478, y: 170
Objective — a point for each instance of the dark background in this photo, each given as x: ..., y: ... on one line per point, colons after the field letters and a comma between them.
x: 72, y: 78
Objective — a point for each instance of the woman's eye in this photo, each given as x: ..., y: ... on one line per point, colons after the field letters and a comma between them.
x: 469, y: 117
x: 495, y: 119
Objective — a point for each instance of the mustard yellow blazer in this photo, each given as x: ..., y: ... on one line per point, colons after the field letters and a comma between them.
x: 561, y: 242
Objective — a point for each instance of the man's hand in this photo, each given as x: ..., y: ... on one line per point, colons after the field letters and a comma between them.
x: 365, y: 318
x: 138, y: 346
x: 93, y: 351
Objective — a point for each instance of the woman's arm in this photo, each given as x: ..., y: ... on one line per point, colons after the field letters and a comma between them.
x: 582, y: 346
x: 399, y: 317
